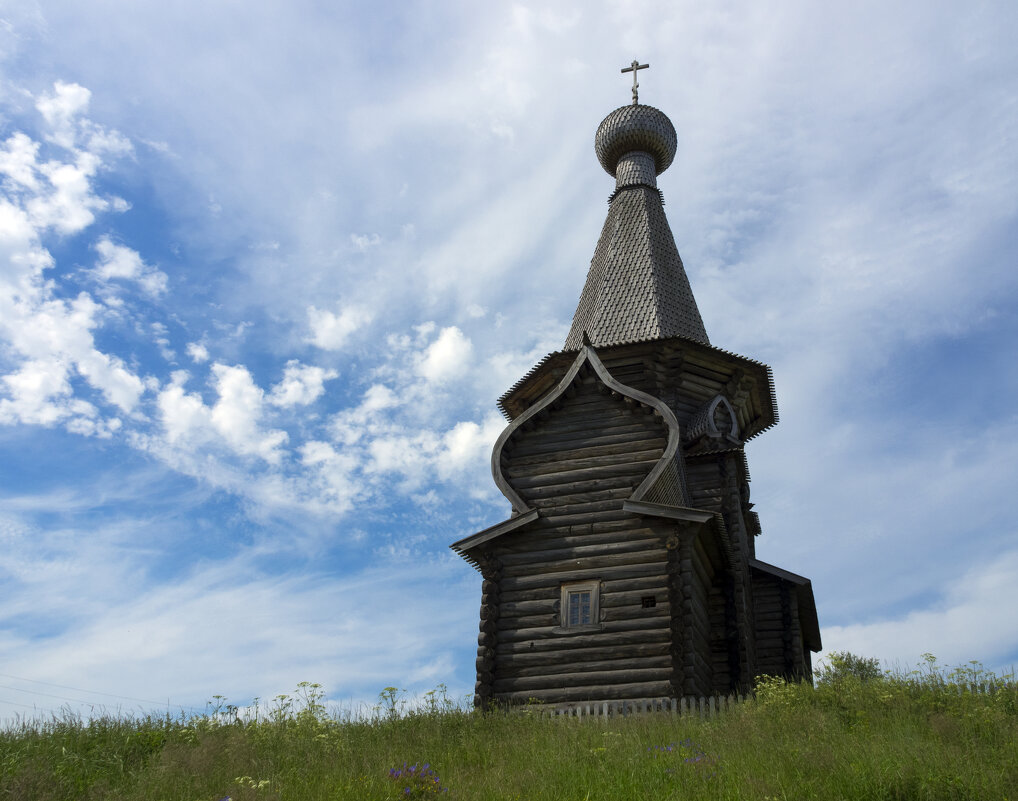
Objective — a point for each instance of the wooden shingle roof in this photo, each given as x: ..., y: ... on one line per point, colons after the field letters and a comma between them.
x: 636, y: 287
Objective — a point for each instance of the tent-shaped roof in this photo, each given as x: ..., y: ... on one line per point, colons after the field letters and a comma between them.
x: 636, y: 288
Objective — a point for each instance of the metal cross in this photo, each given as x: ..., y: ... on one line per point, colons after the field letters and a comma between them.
x: 636, y: 65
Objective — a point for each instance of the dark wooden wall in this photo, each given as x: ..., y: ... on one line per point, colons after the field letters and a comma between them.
x: 780, y: 647
x: 576, y: 465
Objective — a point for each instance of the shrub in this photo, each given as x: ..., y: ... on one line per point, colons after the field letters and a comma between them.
x: 842, y: 664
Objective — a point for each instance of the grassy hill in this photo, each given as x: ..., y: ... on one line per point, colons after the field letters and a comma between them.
x: 858, y: 734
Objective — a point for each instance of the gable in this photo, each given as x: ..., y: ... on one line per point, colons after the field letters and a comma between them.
x: 591, y: 443
x: 587, y: 452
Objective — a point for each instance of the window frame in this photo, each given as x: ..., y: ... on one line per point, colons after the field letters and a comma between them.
x: 592, y: 586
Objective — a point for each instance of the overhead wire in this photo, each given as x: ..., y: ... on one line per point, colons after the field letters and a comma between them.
x: 90, y: 692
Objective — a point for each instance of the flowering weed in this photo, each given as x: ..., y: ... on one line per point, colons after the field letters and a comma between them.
x: 417, y: 780
x: 693, y: 758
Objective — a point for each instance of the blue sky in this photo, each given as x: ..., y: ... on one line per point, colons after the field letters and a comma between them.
x: 265, y: 268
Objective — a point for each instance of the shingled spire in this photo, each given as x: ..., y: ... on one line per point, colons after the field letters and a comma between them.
x: 636, y: 288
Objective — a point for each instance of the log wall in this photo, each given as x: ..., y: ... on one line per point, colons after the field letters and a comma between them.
x: 576, y: 465
x: 780, y: 646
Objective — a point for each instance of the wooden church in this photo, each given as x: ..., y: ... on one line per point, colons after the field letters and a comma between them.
x: 628, y: 569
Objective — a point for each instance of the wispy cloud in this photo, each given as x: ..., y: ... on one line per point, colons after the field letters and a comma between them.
x: 358, y: 249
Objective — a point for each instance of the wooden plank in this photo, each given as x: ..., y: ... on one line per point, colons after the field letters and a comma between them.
x: 579, y: 443
x: 634, y: 612
x: 586, y: 693
x: 608, y: 628
x: 512, y: 470
x: 553, y: 554
x: 603, y: 563
x: 548, y: 539
x: 552, y: 667
x: 577, y: 656
x: 552, y: 518
x: 558, y: 424
x: 630, y: 587
x: 564, y: 477
x: 579, y: 679
x: 617, y: 573
x: 618, y: 639
x: 569, y: 454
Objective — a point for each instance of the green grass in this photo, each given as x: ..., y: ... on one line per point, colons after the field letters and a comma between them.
x: 857, y: 735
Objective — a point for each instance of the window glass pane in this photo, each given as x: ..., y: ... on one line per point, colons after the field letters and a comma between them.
x: 579, y: 608
x: 574, y: 609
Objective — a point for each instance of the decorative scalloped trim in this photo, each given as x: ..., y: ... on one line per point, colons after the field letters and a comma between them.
x: 500, y: 403
x: 587, y: 355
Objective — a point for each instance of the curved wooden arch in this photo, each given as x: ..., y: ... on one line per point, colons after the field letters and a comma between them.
x: 587, y: 356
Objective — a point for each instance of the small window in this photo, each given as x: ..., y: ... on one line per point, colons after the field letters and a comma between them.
x: 579, y: 605
x: 579, y: 608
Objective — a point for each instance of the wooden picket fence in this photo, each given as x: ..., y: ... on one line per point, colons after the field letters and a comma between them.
x: 704, y: 707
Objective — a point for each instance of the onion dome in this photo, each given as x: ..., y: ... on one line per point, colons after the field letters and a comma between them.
x: 635, y: 129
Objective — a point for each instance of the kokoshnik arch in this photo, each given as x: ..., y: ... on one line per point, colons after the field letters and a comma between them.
x: 628, y: 568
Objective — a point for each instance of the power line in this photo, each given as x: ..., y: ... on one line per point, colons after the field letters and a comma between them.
x: 29, y: 706
x: 90, y: 692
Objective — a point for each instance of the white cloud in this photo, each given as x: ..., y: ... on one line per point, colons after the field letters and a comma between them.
x: 302, y: 384
x: 153, y: 641
x: 118, y: 261
x: 447, y: 357
x: 332, y: 473
x: 467, y: 446
x: 330, y: 331
x: 364, y: 242
x: 237, y: 412
x: 184, y: 415
x: 61, y: 109
x: 974, y: 619
x: 18, y: 158
x: 33, y: 390
x: 198, y: 352
x: 189, y: 425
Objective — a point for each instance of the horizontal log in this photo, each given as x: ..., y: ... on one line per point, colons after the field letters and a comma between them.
x: 589, y: 508
x: 574, y: 552
x: 612, y: 486
x: 601, y: 411
x: 617, y: 573
x: 548, y: 600
x: 561, y: 478
x: 559, y: 423
x: 551, y: 518
x: 600, y: 639
x: 647, y: 585
x: 599, y: 525
x: 550, y: 541
x: 603, y: 562
x: 578, y: 656
x: 569, y: 454
x: 608, y: 628
x: 579, y: 442
x: 609, y: 692
x: 553, y: 667
x: 615, y: 455
x: 510, y: 621
x: 579, y: 679
x: 553, y: 496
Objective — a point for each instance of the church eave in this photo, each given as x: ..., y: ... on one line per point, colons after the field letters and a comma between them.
x: 807, y: 604
x: 542, y: 376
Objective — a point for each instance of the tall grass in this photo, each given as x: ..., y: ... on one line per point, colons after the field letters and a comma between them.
x: 859, y: 734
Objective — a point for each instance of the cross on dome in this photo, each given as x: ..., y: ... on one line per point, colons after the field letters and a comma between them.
x: 636, y: 65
